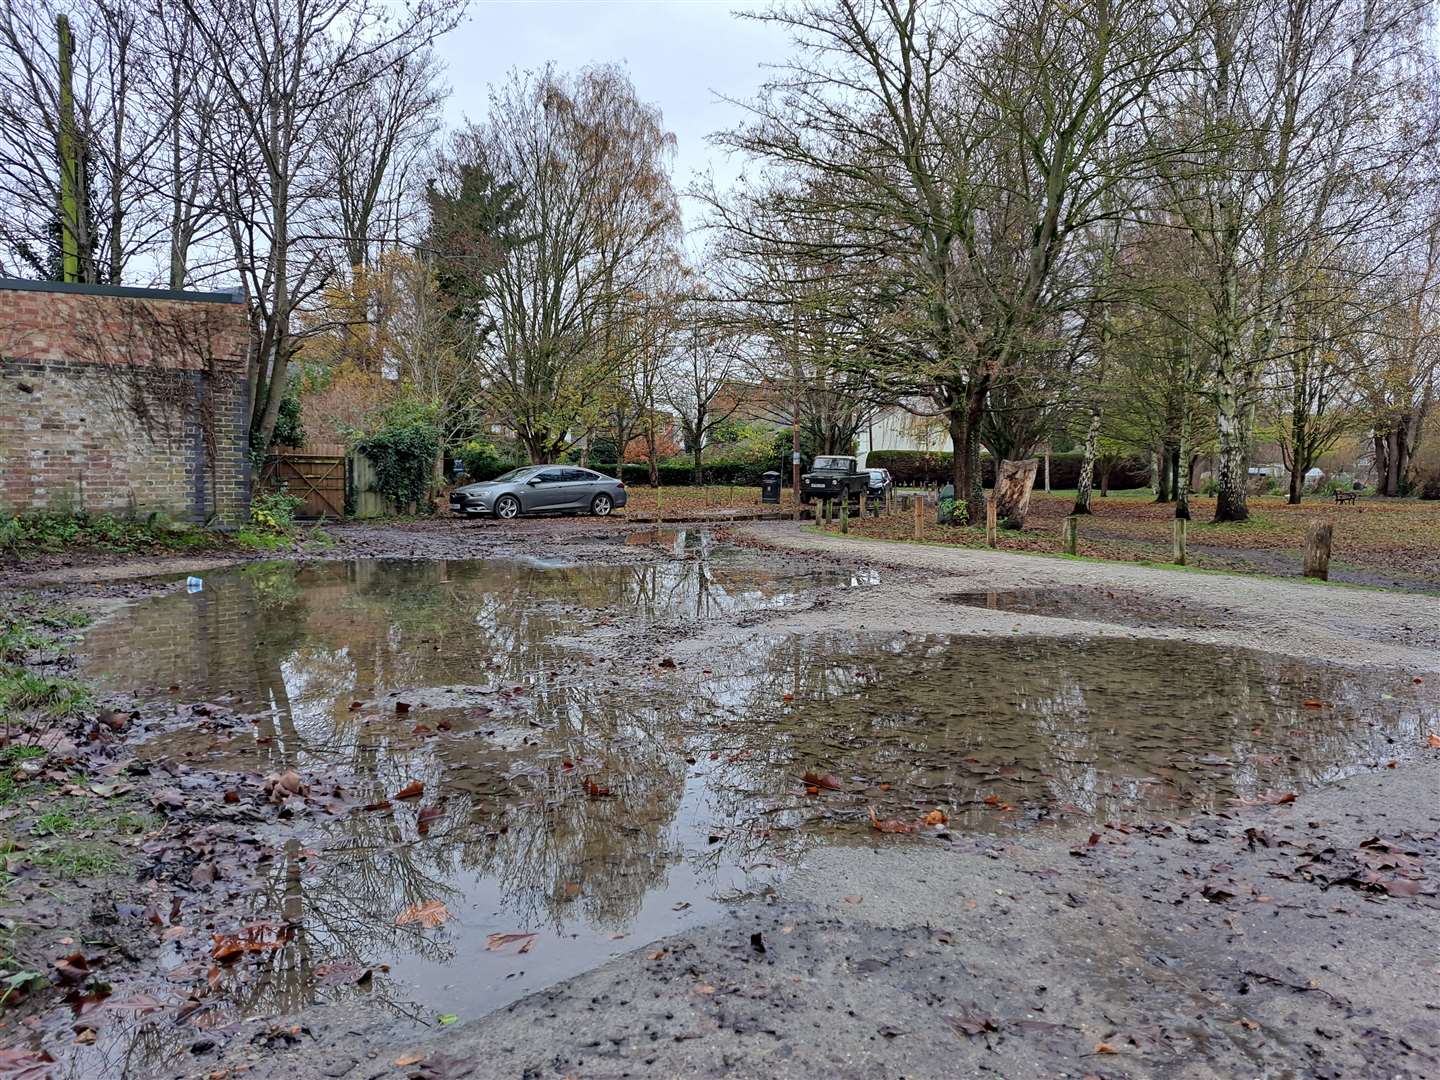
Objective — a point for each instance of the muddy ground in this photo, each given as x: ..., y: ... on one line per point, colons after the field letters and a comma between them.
x: 1261, y: 931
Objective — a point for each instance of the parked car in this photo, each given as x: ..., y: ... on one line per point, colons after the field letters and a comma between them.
x: 540, y: 489
x: 880, y: 482
x: 831, y: 476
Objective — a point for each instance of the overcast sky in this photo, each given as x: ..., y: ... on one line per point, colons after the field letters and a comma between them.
x: 679, y: 53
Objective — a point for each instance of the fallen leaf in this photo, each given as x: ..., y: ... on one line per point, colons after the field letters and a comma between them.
x: 73, y: 968
x: 257, y: 937
x: 1270, y: 798
x: 412, y: 790
x: 936, y: 817
x: 595, y: 791
x: 408, y: 1059
x: 402, y: 707
x: 447, y: 1019
x: 496, y: 942
x: 822, y: 780
x: 430, y: 913
x: 1433, y: 741
x: 890, y: 825
x: 1313, y: 703
x: 427, y: 815
x: 854, y: 899
x: 1105, y: 1048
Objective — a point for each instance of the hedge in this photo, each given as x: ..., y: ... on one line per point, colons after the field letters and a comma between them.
x: 934, y: 466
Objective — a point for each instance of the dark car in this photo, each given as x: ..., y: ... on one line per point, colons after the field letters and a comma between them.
x: 540, y: 489
x: 880, y: 482
x: 831, y: 477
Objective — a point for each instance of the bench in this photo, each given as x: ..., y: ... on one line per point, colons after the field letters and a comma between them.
x: 1345, y: 496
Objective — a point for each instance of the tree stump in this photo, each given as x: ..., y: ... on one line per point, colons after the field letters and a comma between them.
x: 1014, y: 481
x: 1317, y: 549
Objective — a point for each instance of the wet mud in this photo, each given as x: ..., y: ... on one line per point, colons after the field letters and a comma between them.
x: 398, y: 795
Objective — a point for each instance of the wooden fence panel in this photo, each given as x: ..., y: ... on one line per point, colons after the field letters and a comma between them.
x: 312, y: 475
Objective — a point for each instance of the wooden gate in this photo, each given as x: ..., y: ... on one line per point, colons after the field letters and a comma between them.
x: 314, y: 473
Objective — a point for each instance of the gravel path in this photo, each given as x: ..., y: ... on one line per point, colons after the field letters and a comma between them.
x: 1312, y: 620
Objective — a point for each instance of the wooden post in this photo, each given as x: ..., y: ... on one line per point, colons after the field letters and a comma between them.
x: 918, y: 503
x: 845, y: 515
x: 1317, y: 549
x: 1071, y: 533
x: 1182, y: 528
x: 991, y: 528
x: 862, y: 504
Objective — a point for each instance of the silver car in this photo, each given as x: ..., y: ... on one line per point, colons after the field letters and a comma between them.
x: 540, y: 489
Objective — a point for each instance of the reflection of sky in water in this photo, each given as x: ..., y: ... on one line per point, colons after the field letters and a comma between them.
x: 705, y: 798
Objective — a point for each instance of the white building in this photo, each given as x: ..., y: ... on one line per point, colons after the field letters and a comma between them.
x: 894, y: 428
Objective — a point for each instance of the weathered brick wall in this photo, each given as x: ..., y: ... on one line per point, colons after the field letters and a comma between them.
x: 122, y: 404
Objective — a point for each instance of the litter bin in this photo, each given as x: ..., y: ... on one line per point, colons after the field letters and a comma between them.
x: 770, y: 487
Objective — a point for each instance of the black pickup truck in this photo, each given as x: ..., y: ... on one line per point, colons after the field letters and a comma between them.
x: 832, y: 477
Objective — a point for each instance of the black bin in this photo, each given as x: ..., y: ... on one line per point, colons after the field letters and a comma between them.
x: 770, y: 487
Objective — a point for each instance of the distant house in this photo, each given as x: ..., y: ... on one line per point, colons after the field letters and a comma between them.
x: 895, y: 428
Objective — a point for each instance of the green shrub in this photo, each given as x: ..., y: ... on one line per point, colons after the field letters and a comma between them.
x: 403, y: 456
x: 273, y: 512
x: 482, y: 460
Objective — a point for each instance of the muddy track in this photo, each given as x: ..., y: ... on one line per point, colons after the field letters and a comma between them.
x: 1277, y: 939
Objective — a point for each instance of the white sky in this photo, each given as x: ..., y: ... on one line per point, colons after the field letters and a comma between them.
x: 680, y: 54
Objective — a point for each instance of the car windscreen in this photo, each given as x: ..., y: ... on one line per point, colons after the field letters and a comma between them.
x: 876, y: 474
x: 835, y: 463
x: 513, y: 475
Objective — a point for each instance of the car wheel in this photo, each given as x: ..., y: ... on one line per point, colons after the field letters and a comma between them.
x: 507, y: 507
x: 601, y: 505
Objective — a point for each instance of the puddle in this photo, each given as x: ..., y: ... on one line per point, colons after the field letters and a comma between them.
x: 1097, y: 605
x: 598, y: 804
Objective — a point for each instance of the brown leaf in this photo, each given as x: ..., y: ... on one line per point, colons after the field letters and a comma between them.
x: 73, y: 968
x: 1270, y: 798
x: 595, y: 791
x: 408, y: 1059
x: 890, y: 825
x: 412, y: 790
x: 1314, y: 703
x: 430, y: 913
x: 402, y: 707
x: 1105, y: 1048
x: 1433, y: 741
x: 257, y: 937
x: 822, y: 780
x: 936, y: 817
x: 427, y: 815
x: 496, y: 942
x: 382, y: 804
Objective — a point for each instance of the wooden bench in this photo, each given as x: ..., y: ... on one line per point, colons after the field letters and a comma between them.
x: 1345, y: 496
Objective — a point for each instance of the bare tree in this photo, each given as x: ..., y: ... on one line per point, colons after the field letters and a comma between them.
x: 594, y: 217
x: 702, y: 382
x: 283, y: 66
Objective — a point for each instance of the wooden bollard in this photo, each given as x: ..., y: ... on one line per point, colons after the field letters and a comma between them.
x: 917, y: 503
x: 1317, y: 549
x: 992, y: 537
x: 1182, y: 529
x: 1071, y: 532
x: 862, y: 504
x: 844, y: 515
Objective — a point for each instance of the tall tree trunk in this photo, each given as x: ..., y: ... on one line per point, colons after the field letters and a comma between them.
x: 1162, y: 474
x: 1086, y: 481
x: 1230, y: 496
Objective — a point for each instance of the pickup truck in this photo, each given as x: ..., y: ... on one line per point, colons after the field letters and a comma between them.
x: 832, y: 477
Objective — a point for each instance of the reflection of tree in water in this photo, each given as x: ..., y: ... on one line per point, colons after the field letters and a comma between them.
x: 556, y: 852
x: 1103, y: 727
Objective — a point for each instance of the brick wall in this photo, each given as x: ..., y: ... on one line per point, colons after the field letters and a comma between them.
x: 123, y: 401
